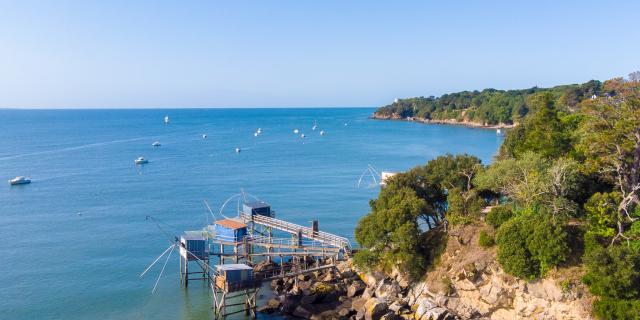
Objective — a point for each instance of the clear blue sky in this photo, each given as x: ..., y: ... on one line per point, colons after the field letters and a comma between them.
x: 301, y: 53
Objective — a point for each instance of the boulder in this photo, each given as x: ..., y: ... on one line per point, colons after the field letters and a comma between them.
x: 372, y: 278
x: 423, y: 306
x: 289, y: 305
x: 310, y: 299
x: 358, y: 304
x: 303, y: 277
x: 387, y: 289
x: 368, y: 293
x: 374, y: 309
x: 436, y: 313
x: 390, y: 316
x: 356, y: 288
x: 344, y: 312
x: 301, y: 312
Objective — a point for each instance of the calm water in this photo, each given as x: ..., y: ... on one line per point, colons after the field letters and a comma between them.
x: 57, y: 264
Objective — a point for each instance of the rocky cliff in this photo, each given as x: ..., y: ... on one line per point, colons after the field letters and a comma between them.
x: 466, y: 283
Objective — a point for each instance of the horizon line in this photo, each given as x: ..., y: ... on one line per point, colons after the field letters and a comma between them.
x: 183, y: 108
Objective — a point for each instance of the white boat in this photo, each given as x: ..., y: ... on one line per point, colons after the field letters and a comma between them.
x: 346, y: 124
x: 499, y: 132
x: 19, y: 180
x: 204, y: 136
x: 296, y: 131
x: 322, y: 132
x: 256, y: 134
x: 302, y: 136
x: 141, y: 160
x: 259, y: 131
x: 238, y: 150
x: 156, y: 144
x: 166, y: 119
x: 315, y: 126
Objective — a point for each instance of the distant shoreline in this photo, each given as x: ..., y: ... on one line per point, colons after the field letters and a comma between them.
x: 451, y: 122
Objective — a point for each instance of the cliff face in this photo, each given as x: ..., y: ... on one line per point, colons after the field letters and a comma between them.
x: 469, y: 282
x: 466, y: 283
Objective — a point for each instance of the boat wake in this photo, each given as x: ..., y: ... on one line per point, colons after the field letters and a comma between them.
x: 74, y: 148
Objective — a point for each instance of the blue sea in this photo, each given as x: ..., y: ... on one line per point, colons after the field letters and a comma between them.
x: 74, y: 241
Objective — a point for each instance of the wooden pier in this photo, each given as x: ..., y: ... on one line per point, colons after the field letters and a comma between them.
x: 239, y: 244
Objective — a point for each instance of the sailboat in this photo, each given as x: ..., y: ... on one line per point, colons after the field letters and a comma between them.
x: 166, y: 119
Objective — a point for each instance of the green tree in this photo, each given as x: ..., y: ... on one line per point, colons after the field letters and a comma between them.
x: 389, y: 233
x: 530, y: 244
x: 611, y: 145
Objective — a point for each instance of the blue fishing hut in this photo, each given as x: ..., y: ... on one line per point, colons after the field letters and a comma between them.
x: 193, y: 246
x: 230, y: 230
x: 257, y: 208
x: 232, y: 277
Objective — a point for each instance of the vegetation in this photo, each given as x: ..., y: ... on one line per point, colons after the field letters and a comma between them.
x: 499, y: 215
x: 565, y: 188
x: 489, y: 106
x: 485, y: 240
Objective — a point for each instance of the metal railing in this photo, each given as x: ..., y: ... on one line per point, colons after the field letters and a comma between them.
x: 292, y: 228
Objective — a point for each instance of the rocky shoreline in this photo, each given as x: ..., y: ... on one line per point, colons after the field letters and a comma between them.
x: 466, y: 283
x: 453, y: 122
x: 345, y: 293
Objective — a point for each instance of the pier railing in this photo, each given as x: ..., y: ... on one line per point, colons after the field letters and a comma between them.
x: 292, y: 228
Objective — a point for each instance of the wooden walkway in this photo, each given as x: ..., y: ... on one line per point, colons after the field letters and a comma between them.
x: 292, y: 228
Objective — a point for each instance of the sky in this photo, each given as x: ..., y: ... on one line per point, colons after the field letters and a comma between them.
x: 301, y: 53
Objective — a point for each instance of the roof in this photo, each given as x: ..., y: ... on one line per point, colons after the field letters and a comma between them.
x: 256, y: 204
x: 192, y: 236
x: 231, y: 224
x: 233, y: 266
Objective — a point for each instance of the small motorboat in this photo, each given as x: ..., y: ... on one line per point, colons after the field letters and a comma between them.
x: 322, y: 132
x: 204, y: 136
x: 296, y: 131
x: 141, y: 160
x: 156, y: 144
x: 166, y: 119
x: 256, y: 134
x: 259, y: 130
x: 238, y: 150
x: 302, y: 136
x: 19, y: 180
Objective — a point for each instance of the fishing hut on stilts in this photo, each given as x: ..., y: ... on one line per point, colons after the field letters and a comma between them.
x: 248, y: 253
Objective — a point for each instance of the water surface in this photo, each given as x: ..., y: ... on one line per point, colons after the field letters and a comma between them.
x: 73, y: 242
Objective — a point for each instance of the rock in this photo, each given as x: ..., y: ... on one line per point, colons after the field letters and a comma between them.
x: 301, y: 312
x: 372, y: 278
x: 424, y: 305
x: 398, y: 305
x: 358, y: 304
x: 374, y: 309
x: 390, y: 316
x: 368, y: 293
x: 328, y: 277
x: 303, y: 277
x: 356, y: 288
x: 344, y: 312
x: 310, y: 299
x: 289, y: 304
x: 436, y: 313
x: 387, y: 289
x: 545, y: 289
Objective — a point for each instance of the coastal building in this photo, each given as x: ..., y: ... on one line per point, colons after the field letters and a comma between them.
x: 229, y: 230
x: 257, y: 208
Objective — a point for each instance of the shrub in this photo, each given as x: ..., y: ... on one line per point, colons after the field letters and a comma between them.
x: 531, y: 244
x: 614, y: 309
x: 486, y: 240
x: 613, y: 272
x: 499, y: 215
